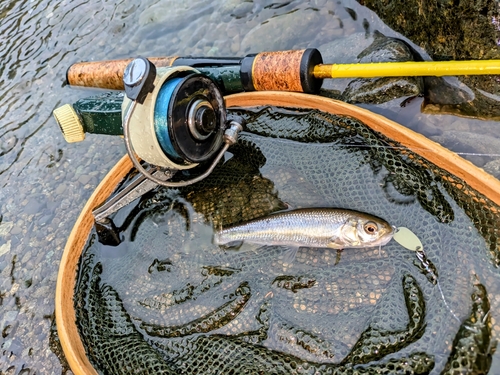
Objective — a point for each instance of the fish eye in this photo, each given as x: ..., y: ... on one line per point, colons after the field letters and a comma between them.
x: 370, y: 227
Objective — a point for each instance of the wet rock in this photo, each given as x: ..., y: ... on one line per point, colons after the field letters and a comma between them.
x: 7, y: 143
x: 60, y: 189
x: 459, y: 30
x: 364, y: 48
x: 44, y: 220
x: 464, y: 99
x: 446, y: 30
x: 33, y: 206
x: 342, y: 51
x: 5, y: 228
x: 493, y: 168
x: 380, y: 90
x: 5, y: 248
x: 16, y: 230
x: 84, y: 179
x: 242, y: 10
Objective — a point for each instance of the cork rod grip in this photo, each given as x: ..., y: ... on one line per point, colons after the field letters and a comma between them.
x: 106, y: 74
x: 286, y: 71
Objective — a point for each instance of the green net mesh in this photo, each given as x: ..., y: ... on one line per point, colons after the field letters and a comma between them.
x: 168, y: 301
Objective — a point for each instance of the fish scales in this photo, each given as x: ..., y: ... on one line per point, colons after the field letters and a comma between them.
x: 312, y: 227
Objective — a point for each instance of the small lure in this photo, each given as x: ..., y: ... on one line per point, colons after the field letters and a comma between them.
x: 409, y: 240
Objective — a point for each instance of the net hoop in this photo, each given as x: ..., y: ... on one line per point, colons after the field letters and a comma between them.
x: 67, y: 330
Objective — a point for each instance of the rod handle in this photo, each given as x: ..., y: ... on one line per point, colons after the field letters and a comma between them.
x: 107, y: 74
x: 265, y: 71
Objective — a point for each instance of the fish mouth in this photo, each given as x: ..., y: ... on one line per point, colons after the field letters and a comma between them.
x: 385, y: 237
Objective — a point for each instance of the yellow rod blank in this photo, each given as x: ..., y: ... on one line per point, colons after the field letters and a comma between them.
x: 407, y: 69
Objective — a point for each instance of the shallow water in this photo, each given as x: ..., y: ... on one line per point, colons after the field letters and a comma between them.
x: 45, y: 182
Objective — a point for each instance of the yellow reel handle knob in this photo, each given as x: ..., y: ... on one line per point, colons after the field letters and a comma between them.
x: 70, y: 123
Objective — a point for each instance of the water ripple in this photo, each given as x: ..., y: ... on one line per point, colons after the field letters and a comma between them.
x: 44, y: 182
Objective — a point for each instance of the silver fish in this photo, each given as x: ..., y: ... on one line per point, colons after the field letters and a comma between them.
x: 311, y: 227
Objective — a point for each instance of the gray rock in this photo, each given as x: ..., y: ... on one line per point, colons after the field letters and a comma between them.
x: 447, y: 30
x: 365, y: 48
x: 343, y: 51
x: 84, y: 179
x: 44, y: 220
x: 33, y: 206
x: 60, y: 189
x: 17, y: 229
x: 380, y: 90
x: 493, y: 168
x: 241, y: 10
x: 5, y: 248
x: 477, y: 148
x: 5, y: 228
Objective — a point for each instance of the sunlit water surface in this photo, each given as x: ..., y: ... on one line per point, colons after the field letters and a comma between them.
x: 45, y: 182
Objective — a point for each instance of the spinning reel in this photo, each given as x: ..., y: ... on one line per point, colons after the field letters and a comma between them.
x: 173, y: 118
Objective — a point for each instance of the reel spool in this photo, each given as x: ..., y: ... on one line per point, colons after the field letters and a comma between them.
x: 181, y: 122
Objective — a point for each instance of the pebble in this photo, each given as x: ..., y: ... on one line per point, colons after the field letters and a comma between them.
x: 44, y: 220
x: 33, y: 206
x: 493, y: 168
x: 60, y: 189
x: 5, y: 228
x: 84, y: 179
x: 5, y: 248
x: 26, y: 257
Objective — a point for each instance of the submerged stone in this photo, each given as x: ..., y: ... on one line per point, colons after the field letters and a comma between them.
x: 474, y: 147
x: 383, y: 89
x: 363, y: 48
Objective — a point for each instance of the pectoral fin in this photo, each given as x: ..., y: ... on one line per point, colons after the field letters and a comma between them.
x: 336, y: 243
x: 290, y: 255
x: 233, y: 245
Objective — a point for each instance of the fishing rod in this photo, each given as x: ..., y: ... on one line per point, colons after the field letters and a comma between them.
x: 295, y: 70
x: 172, y: 113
